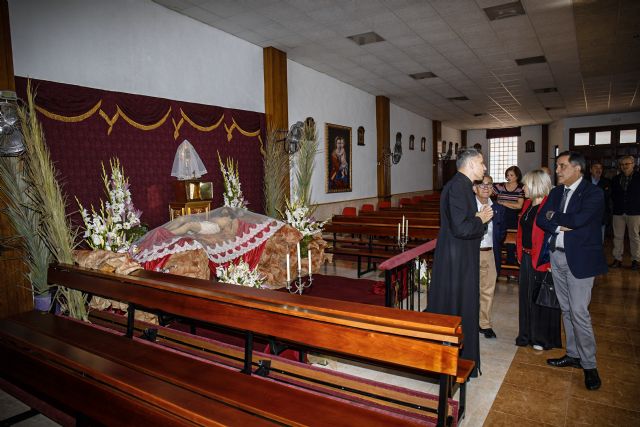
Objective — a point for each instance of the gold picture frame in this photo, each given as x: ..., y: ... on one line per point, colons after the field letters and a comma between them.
x: 338, y: 149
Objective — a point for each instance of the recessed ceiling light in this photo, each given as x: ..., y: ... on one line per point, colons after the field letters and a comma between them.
x: 507, y: 10
x: 425, y: 75
x: 366, y: 38
x: 546, y: 90
x: 531, y: 60
x: 553, y: 108
x: 478, y: 115
x: 458, y: 98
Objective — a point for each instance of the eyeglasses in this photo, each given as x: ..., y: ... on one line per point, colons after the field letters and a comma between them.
x: 485, y: 186
x: 626, y: 163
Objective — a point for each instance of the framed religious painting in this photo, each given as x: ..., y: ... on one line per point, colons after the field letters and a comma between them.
x: 338, y: 158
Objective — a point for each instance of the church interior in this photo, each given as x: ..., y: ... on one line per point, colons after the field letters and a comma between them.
x: 208, y: 202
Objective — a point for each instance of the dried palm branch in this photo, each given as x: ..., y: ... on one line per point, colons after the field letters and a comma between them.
x: 306, y: 164
x: 276, y: 175
x: 55, y: 227
x: 26, y: 219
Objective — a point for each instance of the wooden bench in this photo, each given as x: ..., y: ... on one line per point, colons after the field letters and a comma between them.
x: 422, y: 342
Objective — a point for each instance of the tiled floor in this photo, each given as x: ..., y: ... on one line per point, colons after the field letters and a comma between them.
x: 535, y: 394
x: 517, y: 387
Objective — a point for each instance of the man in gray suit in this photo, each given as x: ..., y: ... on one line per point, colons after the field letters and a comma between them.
x: 572, y: 218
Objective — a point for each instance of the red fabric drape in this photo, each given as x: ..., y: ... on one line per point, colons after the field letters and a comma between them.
x: 78, y: 148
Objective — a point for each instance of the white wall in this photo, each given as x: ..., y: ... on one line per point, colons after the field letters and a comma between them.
x: 414, y: 172
x: 327, y: 100
x: 451, y: 134
x: 135, y: 46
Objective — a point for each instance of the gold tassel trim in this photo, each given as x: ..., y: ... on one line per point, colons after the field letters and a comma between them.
x: 197, y: 126
x: 234, y: 125
x: 144, y: 127
x: 110, y: 121
x: 70, y: 119
x: 176, y: 127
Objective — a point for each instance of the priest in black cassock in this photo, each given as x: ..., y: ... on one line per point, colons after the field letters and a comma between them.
x: 456, y: 279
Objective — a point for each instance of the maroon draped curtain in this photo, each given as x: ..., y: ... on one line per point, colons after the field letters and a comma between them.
x: 78, y: 147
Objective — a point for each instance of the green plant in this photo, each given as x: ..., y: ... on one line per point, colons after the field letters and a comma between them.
x: 55, y: 228
x: 26, y: 218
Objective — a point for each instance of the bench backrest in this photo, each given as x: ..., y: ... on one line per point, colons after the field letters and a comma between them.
x: 417, y: 341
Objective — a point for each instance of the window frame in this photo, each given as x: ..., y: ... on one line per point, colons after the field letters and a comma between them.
x: 500, y: 178
x: 615, y: 135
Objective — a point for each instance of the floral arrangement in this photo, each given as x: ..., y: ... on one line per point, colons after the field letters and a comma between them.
x: 423, y: 272
x: 232, y: 195
x: 240, y: 274
x: 117, y: 224
x: 299, y: 216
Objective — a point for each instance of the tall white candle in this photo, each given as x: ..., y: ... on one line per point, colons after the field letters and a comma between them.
x: 299, y: 261
x: 398, y: 231
x: 403, y: 232
x: 309, y: 256
x: 406, y: 231
x: 288, y: 269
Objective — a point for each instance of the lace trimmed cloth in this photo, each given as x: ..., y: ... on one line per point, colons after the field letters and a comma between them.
x: 223, y: 235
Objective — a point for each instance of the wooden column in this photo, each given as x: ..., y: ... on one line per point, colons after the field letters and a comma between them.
x: 276, y: 106
x: 544, y: 146
x: 276, y: 97
x: 437, y: 164
x: 15, y: 296
x: 383, y: 140
x: 6, y: 57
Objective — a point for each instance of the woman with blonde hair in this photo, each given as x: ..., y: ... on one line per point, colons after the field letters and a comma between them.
x: 538, y: 326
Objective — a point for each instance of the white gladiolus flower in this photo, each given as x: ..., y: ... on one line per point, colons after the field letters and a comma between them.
x: 105, y: 229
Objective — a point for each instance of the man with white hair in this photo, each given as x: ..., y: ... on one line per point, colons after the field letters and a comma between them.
x: 625, y: 197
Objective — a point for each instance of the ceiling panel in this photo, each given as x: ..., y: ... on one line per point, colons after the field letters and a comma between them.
x: 592, y: 49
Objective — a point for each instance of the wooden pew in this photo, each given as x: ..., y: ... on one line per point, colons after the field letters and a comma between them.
x: 424, y: 342
x: 377, y: 242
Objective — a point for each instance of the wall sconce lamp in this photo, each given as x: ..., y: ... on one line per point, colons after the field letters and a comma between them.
x: 11, y: 139
x: 293, y: 137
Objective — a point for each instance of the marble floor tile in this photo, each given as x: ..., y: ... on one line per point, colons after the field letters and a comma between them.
x: 541, y: 378
x: 502, y: 419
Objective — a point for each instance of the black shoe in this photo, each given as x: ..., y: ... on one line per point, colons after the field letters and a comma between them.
x: 592, y: 379
x: 616, y: 264
x: 488, y: 333
x: 565, y: 361
x: 634, y: 265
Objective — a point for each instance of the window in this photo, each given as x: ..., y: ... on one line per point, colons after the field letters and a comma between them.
x: 628, y: 136
x: 503, y: 153
x: 603, y: 137
x: 581, y: 138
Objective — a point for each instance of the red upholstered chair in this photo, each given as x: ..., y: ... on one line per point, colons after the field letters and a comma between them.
x: 349, y: 211
x: 432, y: 197
x: 367, y: 207
x: 384, y: 204
x: 405, y: 201
x: 416, y: 199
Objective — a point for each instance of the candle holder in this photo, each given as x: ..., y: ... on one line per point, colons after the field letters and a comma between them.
x: 403, y: 238
x: 299, y: 284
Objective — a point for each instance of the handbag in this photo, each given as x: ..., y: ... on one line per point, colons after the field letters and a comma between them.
x: 547, y: 293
